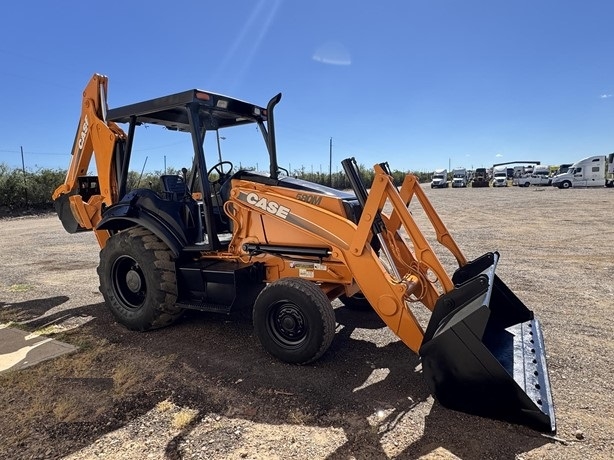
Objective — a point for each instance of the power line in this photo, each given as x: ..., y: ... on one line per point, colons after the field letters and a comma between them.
x: 34, y: 153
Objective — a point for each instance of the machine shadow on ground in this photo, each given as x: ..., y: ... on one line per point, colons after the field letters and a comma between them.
x: 214, y: 364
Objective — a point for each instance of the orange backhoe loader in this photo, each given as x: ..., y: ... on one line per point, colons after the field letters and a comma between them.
x: 223, y: 239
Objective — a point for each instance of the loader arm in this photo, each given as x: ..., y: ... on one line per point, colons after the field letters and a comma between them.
x: 96, y: 137
x: 403, y: 257
x: 410, y: 269
x: 483, y: 350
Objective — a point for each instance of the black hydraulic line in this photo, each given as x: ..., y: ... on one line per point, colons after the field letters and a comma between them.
x: 351, y: 170
x: 253, y: 248
x: 386, y: 167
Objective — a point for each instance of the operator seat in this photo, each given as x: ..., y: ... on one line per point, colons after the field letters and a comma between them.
x: 174, y: 187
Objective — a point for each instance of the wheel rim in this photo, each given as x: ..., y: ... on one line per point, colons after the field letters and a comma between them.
x: 129, y: 282
x: 287, y: 325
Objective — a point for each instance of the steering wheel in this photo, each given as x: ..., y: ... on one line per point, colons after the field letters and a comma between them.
x: 221, y: 174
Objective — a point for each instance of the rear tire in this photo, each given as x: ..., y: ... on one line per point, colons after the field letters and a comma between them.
x: 294, y: 320
x: 137, y: 280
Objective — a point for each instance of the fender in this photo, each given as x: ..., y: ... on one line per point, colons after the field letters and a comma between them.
x: 132, y: 211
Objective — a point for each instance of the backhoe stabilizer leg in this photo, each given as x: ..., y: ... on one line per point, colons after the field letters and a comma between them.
x: 483, y: 352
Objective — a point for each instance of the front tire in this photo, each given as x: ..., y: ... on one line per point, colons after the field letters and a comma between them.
x: 137, y: 280
x: 565, y: 184
x: 294, y: 320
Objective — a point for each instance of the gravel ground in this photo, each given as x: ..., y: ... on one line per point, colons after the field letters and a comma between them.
x: 204, y: 389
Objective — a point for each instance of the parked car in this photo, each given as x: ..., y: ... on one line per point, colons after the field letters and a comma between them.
x: 539, y: 176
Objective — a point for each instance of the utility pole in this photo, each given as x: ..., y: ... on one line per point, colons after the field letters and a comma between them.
x: 330, y: 164
x: 219, y: 149
x: 25, y: 183
x: 142, y: 171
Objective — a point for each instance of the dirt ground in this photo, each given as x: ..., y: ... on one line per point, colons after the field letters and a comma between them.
x: 204, y: 389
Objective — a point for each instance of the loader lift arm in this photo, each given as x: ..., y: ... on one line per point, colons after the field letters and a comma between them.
x: 479, y: 331
x: 403, y: 262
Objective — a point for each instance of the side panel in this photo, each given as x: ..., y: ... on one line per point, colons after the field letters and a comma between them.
x: 218, y: 285
x: 264, y: 212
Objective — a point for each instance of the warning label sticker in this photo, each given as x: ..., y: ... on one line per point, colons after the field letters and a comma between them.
x: 307, y: 269
x: 305, y: 273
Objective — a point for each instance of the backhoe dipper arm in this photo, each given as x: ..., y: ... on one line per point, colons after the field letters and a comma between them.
x: 95, y: 137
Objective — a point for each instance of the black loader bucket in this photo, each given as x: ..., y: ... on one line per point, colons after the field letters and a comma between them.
x: 483, y: 351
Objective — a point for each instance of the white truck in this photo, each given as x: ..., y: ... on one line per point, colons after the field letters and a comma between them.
x: 440, y: 178
x: 518, y: 171
x: 539, y: 176
x: 499, y: 176
x: 595, y: 171
x: 563, y: 168
x: 459, y: 178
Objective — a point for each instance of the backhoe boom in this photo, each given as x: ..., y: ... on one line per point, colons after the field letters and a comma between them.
x: 96, y: 137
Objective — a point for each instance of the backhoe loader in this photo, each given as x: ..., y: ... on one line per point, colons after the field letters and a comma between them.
x: 226, y: 240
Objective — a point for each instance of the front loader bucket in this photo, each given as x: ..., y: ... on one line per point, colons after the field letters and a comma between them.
x: 483, y: 352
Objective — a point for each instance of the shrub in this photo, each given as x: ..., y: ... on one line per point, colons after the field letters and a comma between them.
x: 31, y: 190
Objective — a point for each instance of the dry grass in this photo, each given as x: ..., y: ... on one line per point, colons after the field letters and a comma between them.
x: 66, y: 410
x: 126, y: 379
x: 164, y: 406
x: 183, y: 418
x: 299, y: 416
x: 18, y: 288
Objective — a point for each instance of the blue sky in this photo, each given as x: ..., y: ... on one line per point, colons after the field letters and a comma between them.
x: 421, y: 84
